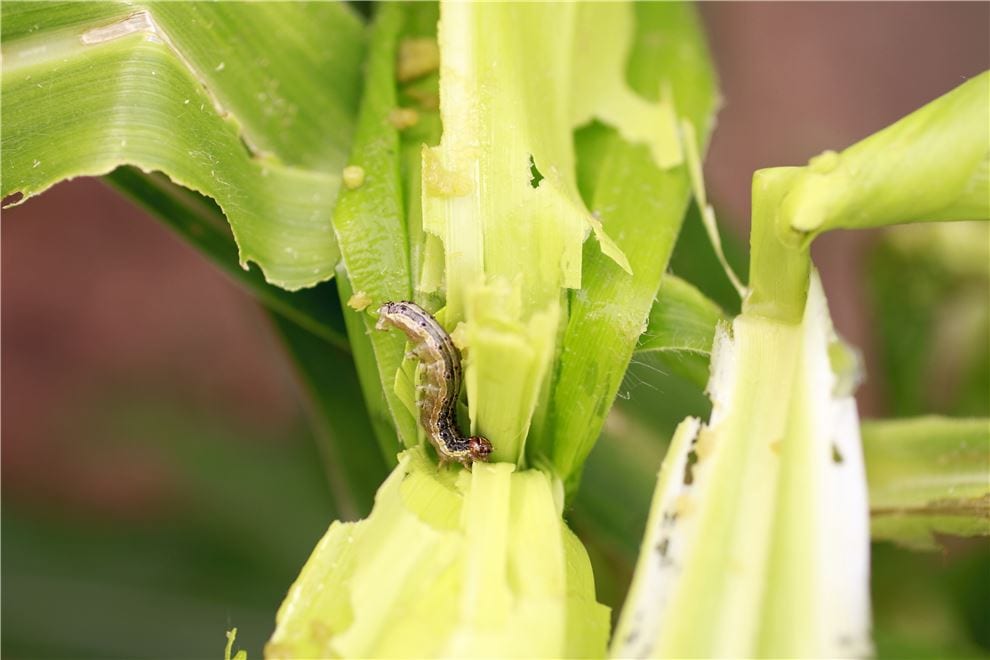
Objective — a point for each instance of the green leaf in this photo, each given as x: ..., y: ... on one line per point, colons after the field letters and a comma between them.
x: 374, y: 391
x: 929, y: 285
x: 682, y: 319
x: 642, y: 207
x: 208, y: 94
x: 419, y: 96
x: 932, y: 165
x: 370, y: 225
x: 681, y: 329
x: 928, y: 476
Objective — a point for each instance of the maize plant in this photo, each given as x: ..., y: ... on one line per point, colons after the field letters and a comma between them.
x: 515, y: 178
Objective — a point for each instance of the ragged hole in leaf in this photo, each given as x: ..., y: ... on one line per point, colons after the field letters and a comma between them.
x: 692, y: 459
x: 534, y: 174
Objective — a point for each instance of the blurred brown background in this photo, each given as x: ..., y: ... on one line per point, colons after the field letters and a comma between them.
x: 103, y: 308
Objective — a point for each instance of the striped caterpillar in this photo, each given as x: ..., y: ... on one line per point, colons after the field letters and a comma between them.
x: 441, y: 365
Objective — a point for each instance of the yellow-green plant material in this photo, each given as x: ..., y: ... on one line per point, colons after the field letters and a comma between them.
x: 500, y: 190
x: 228, y: 651
x: 936, y: 167
x: 489, y: 566
x: 685, y: 322
x: 758, y: 538
x: 528, y: 191
x: 450, y: 563
x: 932, y: 165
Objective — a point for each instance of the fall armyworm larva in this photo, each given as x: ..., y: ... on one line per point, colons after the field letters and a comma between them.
x: 437, y: 395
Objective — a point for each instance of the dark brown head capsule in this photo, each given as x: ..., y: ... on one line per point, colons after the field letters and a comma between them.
x: 479, y: 448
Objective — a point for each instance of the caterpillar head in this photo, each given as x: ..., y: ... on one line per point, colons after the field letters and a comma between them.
x: 479, y: 448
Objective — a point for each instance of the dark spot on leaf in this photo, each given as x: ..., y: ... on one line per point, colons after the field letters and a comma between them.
x: 836, y: 454
x: 692, y: 459
x: 11, y: 199
x: 247, y: 147
x: 534, y: 174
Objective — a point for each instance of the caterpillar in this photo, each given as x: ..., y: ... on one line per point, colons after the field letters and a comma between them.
x: 441, y: 365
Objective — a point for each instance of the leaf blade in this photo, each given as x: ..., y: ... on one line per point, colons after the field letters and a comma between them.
x: 928, y: 476
x: 93, y: 88
x: 370, y: 224
x: 607, y: 317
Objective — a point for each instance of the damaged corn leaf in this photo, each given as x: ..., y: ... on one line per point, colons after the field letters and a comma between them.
x: 371, y: 229
x: 752, y: 514
x: 758, y: 537
x: 757, y: 542
x: 418, y: 78
x: 900, y: 456
x: 206, y: 93
x: 928, y: 476
x: 601, y: 92
x: 444, y: 564
x: 363, y: 351
x: 642, y: 206
x: 500, y: 194
x: 444, y: 567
